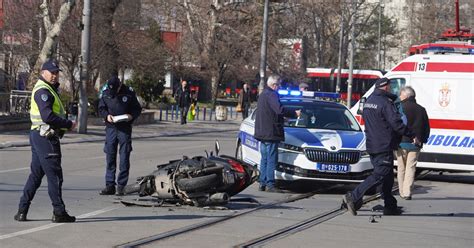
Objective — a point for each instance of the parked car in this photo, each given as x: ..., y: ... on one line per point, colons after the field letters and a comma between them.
x: 322, y: 142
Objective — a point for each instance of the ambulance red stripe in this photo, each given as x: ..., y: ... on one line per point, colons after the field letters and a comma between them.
x: 440, y: 123
x: 450, y: 67
x: 437, y: 67
x: 405, y: 66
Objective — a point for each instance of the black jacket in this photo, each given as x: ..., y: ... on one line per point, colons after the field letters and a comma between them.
x: 183, y: 97
x: 417, y: 120
x: 124, y: 102
x: 269, y: 117
x: 383, y: 124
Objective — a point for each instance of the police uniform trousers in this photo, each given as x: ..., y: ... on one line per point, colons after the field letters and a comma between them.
x: 45, y: 160
x: 382, y: 175
x: 116, y: 137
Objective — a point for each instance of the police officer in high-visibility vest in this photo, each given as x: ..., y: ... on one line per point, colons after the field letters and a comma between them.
x: 119, y: 107
x: 48, y: 124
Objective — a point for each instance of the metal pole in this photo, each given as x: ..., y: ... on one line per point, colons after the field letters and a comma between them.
x: 351, y: 56
x: 263, y: 49
x: 85, y: 53
x: 339, y: 57
x: 379, y: 46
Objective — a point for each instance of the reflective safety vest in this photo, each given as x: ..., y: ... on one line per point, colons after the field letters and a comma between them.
x: 35, y: 115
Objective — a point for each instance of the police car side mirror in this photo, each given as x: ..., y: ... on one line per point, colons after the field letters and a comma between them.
x: 361, y: 105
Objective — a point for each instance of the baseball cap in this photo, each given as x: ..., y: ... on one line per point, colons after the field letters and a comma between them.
x: 51, y: 65
x: 113, y: 82
x: 381, y: 82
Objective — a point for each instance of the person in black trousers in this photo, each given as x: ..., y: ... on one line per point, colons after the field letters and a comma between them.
x: 183, y: 99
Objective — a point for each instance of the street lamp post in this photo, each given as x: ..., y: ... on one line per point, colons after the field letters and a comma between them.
x: 263, y: 48
x: 85, y: 53
x: 351, y: 56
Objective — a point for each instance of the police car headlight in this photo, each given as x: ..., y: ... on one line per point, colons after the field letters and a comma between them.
x: 290, y: 148
x: 364, y: 154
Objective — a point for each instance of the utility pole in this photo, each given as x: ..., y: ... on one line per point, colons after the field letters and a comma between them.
x: 339, y: 57
x: 85, y: 53
x: 263, y: 49
x: 379, y: 46
x: 351, y: 55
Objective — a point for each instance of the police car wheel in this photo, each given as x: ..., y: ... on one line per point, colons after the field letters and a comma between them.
x: 238, y: 152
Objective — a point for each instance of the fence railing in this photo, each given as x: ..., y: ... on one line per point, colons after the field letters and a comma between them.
x: 16, y: 103
x: 173, y: 113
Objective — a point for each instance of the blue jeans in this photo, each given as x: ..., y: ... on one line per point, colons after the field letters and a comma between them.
x: 268, y: 162
x: 383, y: 174
x: 114, y: 137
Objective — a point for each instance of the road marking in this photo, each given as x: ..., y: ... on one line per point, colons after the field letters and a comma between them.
x: 48, y: 226
x: 19, y: 169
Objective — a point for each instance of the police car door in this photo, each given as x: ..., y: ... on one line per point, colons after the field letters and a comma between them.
x: 249, y: 145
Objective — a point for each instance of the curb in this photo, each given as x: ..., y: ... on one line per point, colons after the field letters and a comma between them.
x: 97, y: 139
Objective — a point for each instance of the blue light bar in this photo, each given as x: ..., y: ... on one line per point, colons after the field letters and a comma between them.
x: 295, y: 93
x: 327, y: 95
x: 283, y: 92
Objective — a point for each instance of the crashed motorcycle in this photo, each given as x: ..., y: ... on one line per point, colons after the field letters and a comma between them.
x: 198, y: 181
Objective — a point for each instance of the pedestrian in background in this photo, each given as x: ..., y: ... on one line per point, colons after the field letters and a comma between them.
x: 407, y: 153
x: 384, y: 129
x: 48, y: 124
x: 183, y: 99
x: 119, y: 107
x: 245, y: 100
x: 269, y: 131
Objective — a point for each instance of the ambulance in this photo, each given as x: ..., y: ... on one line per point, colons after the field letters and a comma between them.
x: 444, y: 86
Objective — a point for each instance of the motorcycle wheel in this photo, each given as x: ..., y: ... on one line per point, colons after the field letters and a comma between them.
x: 131, y: 188
x: 197, y: 183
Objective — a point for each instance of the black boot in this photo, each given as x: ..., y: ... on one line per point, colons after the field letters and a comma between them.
x: 21, y: 215
x: 120, y: 191
x: 63, y: 218
x: 108, y: 190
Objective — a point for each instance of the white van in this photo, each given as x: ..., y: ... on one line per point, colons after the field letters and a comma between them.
x: 444, y: 85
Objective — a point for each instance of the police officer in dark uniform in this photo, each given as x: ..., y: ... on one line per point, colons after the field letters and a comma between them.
x: 49, y: 123
x: 384, y: 129
x: 118, y: 100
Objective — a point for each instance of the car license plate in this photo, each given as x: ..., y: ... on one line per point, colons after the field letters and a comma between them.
x: 337, y: 168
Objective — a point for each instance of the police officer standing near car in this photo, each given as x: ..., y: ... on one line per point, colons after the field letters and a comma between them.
x: 48, y: 124
x: 384, y: 129
x: 119, y: 107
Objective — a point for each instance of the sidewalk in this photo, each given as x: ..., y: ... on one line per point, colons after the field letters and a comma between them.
x: 97, y: 133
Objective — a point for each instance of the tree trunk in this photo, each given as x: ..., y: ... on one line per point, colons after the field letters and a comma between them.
x: 52, y: 32
x: 109, y: 59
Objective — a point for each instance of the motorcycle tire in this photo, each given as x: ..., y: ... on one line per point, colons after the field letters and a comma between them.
x: 131, y: 188
x: 197, y: 183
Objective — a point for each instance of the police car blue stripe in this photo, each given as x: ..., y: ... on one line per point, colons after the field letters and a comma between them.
x: 304, y: 135
x: 351, y: 139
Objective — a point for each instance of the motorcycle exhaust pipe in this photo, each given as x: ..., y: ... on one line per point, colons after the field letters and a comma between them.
x: 219, y: 198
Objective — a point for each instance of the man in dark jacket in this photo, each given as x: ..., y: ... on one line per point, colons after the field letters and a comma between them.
x: 407, y: 153
x: 183, y: 99
x: 384, y: 129
x: 245, y: 100
x: 269, y: 131
x: 119, y: 107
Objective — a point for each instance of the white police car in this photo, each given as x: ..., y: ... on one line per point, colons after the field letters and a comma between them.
x: 323, y: 140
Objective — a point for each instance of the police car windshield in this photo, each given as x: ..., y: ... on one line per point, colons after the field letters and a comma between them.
x: 321, y: 115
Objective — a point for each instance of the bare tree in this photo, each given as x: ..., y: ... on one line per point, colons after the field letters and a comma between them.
x: 52, y: 32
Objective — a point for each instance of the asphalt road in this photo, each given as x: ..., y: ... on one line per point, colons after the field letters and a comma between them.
x: 440, y: 215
